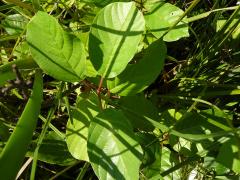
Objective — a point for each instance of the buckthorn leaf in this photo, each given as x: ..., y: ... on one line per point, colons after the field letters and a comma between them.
x: 58, y: 53
x: 161, y: 16
x: 113, y: 150
x: 137, y: 77
x: 115, y: 34
x: 77, y: 127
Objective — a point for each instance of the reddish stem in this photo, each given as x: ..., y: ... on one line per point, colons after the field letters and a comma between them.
x: 99, y: 92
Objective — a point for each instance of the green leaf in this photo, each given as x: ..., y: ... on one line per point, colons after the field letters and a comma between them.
x: 14, y: 24
x: 58, y: 53
x: 136, y: 109
x: 115, y: 34
x: 161, y: 16
x: 113, y: 150
x: 77, y: 127
x: 137, y: 77
x: 13, y: 154
x: 150, y: 146
x: 53, y: 150
x: 90, y: 71
x: 229, y: 154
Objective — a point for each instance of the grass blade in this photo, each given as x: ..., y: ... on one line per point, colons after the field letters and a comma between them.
x: 14, y: 152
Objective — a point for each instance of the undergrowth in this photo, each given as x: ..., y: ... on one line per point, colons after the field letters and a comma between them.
x: 119, y: 90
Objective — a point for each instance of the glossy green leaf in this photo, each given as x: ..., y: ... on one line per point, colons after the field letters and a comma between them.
x: 53, y: 150
x: 161, y: 16
x: 136, y: 109
x: 113, y: 150
x: 137, y: 77
x: 58, y: 53
x: 14, y: 24
x: 90, y: 71
x: 229, y: 154
x: 115, y: 34
x: 13, y: 154
x: 77, y: 126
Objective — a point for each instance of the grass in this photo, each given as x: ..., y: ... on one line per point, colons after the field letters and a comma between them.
x: 201, y: 72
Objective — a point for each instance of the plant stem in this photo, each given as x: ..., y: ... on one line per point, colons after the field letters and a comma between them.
x: 44, y: 131
x: 206, y: 14
x: 59, y: 133
x: 40, y: 140
x: 195, y: 2
x: 99, y: 92
x: 36, y: 5
x: 63, y: 171
x: 83, y: 171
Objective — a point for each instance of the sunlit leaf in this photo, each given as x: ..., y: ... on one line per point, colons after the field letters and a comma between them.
x: 229, y: 154
x: 160, y: 16
x: 114, y: 37
x: 58, y: 53
x: 113, y: 150
x: 78, y: 124
x: 137, y: 77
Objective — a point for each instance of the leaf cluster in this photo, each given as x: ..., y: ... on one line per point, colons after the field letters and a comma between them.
x: 119, y: 89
